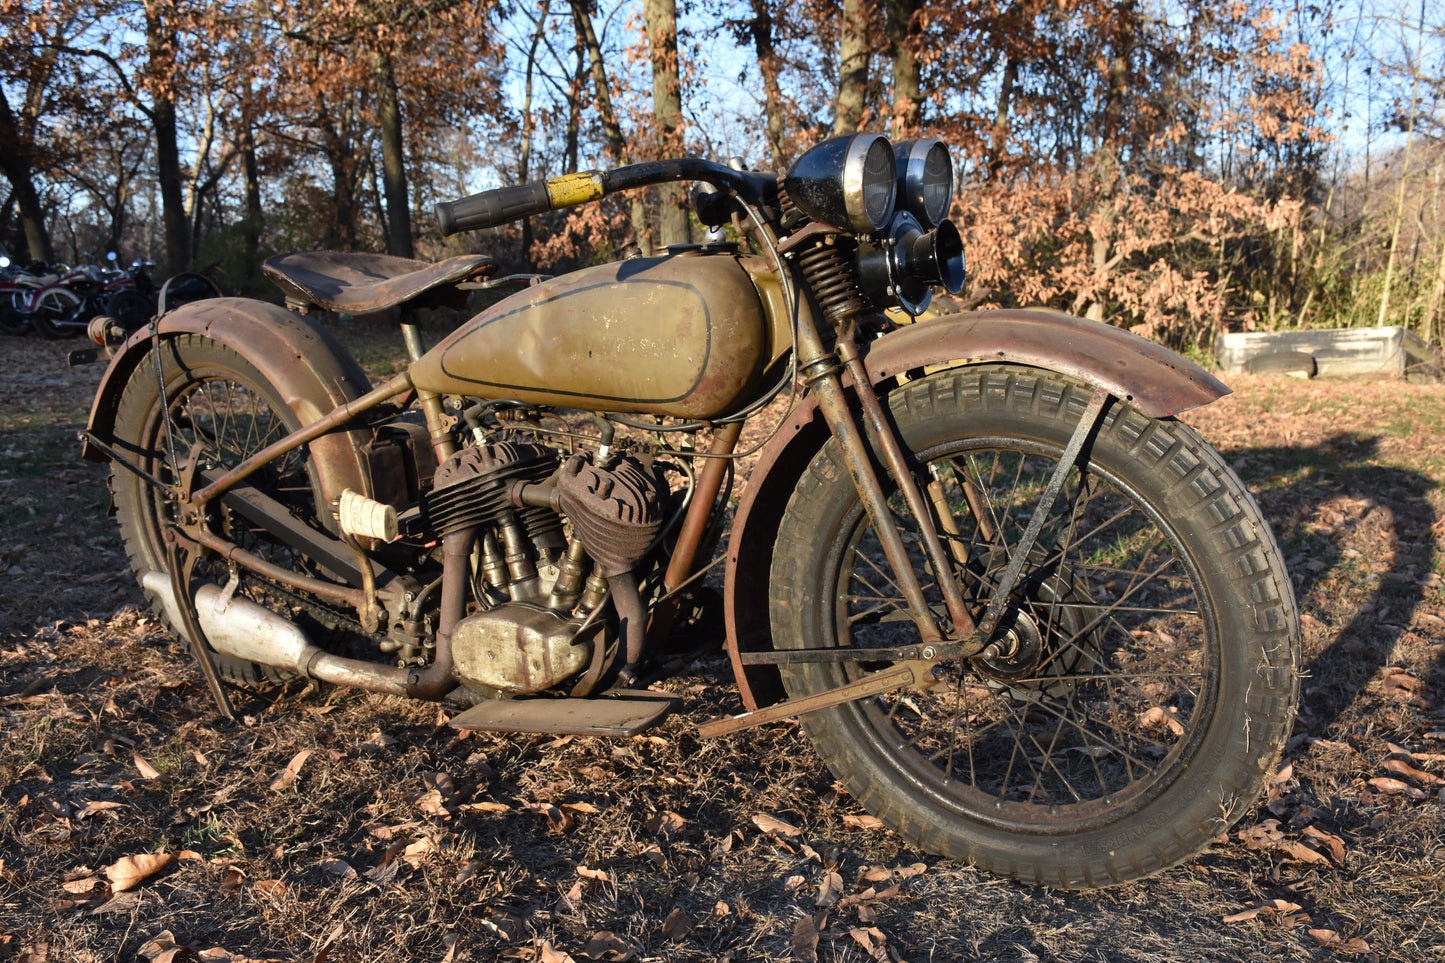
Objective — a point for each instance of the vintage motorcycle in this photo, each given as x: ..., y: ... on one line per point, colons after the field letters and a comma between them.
x: 1027, y: 618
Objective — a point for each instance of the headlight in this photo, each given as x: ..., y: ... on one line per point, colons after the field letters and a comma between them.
x: 925, y: 179
x: 848, y: 181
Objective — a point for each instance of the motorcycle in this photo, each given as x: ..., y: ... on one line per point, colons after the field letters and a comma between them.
x: 12, y: 317
x: 36, y: 297
x: 1026, y: 617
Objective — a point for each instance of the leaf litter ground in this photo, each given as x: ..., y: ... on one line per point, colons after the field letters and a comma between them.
x: 333, y: 825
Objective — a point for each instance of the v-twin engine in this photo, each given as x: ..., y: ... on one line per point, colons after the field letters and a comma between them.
x: 530, y: 582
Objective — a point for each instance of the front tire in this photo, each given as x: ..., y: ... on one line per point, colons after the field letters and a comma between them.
x: 55, y: 308
x: 1150, y: 662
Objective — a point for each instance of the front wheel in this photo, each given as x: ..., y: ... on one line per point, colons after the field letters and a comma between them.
x: 53, y: 313
x: 1147, y: 665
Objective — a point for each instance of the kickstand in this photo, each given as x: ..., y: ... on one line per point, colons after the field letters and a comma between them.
x: 180, y: 583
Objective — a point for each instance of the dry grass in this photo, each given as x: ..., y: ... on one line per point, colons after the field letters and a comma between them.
x: 395, y: 838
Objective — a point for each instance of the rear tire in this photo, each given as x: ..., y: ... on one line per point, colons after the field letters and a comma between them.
x: 1152, y: 675
x: 220, y: 399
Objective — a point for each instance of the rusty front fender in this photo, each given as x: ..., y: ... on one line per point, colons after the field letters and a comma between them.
x: 310, y: 369
x: 1151, y: 378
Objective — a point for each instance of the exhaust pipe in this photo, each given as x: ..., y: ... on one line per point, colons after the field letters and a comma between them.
x: 243, y: 629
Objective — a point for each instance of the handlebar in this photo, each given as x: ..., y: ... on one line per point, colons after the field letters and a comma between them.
x: 504, y: 204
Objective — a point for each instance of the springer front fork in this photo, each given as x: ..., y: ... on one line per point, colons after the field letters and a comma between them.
x: 969, y: 630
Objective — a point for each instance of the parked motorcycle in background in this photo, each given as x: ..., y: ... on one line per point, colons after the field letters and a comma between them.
x: 38, y: 297
x: 61, y: 301
x: 1027, y: 617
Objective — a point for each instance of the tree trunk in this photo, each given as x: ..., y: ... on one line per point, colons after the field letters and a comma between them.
x: 171, y: 178
x: 161, y: 44
x: 611, y: 130
x: 761, y: 28
x: 853, y: 68
x: 15, y: 163
x: 393, y: 159
x: 999, y: 143
x: 529, y: 123
x: 341, y: 156
x: 661, y: 19
x: 902, y: 43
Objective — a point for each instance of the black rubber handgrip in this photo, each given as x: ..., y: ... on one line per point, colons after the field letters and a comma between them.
x: 490, y: 208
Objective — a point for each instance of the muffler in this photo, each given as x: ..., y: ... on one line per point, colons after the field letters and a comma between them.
x: 242, y: 629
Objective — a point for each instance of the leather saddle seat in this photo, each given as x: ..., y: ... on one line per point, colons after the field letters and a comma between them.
x: 360, y: 283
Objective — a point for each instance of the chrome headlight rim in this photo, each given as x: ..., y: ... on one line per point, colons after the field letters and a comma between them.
x: 916, y: 183
x: 861, y: 178
x: 849, y: 182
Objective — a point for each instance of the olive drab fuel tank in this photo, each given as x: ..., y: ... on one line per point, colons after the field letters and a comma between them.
x: 686, y: 335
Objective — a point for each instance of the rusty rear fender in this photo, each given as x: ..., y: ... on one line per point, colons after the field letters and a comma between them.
x: 311, y: 370
x: 1149, y: 377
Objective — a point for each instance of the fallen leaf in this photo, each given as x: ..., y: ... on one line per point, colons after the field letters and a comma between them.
x: 287, y: 778
x: 432, y: 803
x: 805, y: 938
x: 443, y: 784
x: 677, y: 925
x: 119, y: 903
x: 606, y: 945
x: 829, y: 890
x: 485, y: 807
x: 549, y: 954
x: 91, y: 808
x: 1403, y: 769
x: 1301, y: 852
x: 1394, y: 787
x: 377, y: 742
x: 871, y: 939
x: 337, y: 867
x: 582, y: 807
x: 146, y: 770
x: 130, y: 871
x: 419, y: 851
x: 772, y: 824
x: 1333, y: 844
x: 1160, y: 718
x: 862, y: 822
x: 506, y: 925
x: 269, y: 887
x: 1268, y: 906
x: 163, y: 948
x: 557, y: 820
x: 1265, y: 835
x: 666, y: 823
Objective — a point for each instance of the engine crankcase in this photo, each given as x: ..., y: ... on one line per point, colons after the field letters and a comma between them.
x: 518, y: 647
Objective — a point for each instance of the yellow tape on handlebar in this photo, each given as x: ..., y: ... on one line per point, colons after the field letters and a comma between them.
x: 572, y: 189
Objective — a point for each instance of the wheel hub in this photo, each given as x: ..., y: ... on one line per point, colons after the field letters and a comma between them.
x: 1020, y: 647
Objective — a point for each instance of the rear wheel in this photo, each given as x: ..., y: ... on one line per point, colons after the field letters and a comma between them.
x: 1148, y: 664
x: 130, y: 309
x: 219, y: 401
